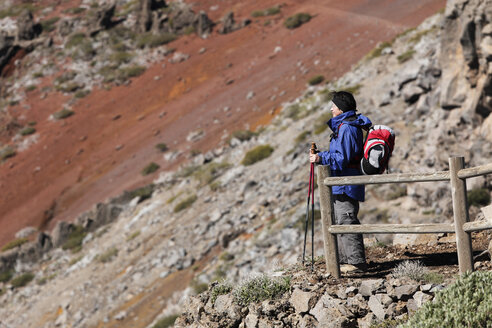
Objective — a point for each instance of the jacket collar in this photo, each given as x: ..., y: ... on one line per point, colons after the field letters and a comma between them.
x: 334, y: 122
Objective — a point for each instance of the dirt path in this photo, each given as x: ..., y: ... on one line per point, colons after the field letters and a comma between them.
x: 99, y: 152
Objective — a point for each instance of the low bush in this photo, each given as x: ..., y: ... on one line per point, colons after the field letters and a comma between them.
x: 301, y: 137
x: 320, y: 126
x: 166, y: 321
x: 75, y: 40
x: 121, y: 57
x: 465, y: 303
x: 315, y: 80
x: 243, y: 135
x: 81, y: 94
x: 7, y: 152
x: 14, y: 243
x: 297, y: 20
x: 154, y: 40
x: 407, y: 55
x: 260, y: 288
x: 74, y: 240
x: 74, y: 10
x: 22, y: 280
x: 27, y: 131
x: 257, y: 154
x: 222, y: 288
x: 143, y: 192
x: 206, y: 174
x: 49, y: 25
x: 108, y: 255
x: 267, y: 12
x: 5, y: 276
x: 412, y: 269
x: 294, y: 111
x: 352, y: 89
x: 150, y: 168
x: 131, y: 71
x: 478, y: 197
x: 162, y: 147
x: 30, y: 88
x: 376, y: 52
x: 184, y: 204
x: 133, y: 235
x: 64, y: 113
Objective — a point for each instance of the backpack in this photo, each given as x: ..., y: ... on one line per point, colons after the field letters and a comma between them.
x: 378, y: 148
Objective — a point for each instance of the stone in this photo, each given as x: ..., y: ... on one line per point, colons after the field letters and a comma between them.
x: 26, y: 28
x: 300, y: 300
x: 102, y: 19
x: 330, y: 312
x: 61, y: 232
x: 251, y: 320
x: 371, y: 286
x: 204, y: 26
x: 405, y: 291
x: 228, y: 24
x: 376, y: 307
x: 420, y: 298
x: 411, y: 93
x: 26, y: 232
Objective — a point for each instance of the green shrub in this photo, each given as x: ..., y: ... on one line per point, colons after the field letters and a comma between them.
x: 74, y: 240
x: 74, y: 10
x: 297, y: 20
x: 5, y: 276
x: 22, y: 280
x: 31, y: 87
x: 64, y: 113
x: 320, y: 126
x: 220, y: 289
x: 121, y: 57
x: 65, y: 77
x: 69, y: 87
x: 27, y: 131
x: 267, y: 12
x: 390, y: 322
x: 162, y: 147
x: 108, y: 255
x: 376, y: 52
x: 143, y: 192
x: 478, y: 197
x: 150, y: 168
x: 257, y: 154
x: 184, y: 204
x: 81, y: 93
x: 38, y: 75
x: 315, y: 80
x: 187, y: 171
x: 7, y: 152
x: 352, y: 89
x: 75, y: 40
x: 466, y: 303
x: 133, y: 235
x: 49, y: 25
x: 131, y: 71
x: 294, y: 111
x: 260, y: 288
x: 243, y: 135
x: 154, y: 40
x: 14, y: 243
x: 206, y: 174
x: 407, y: 55
x: 301, y: 137
x: 16, y: 10
x: 416, y: 38
x: 166, y: 321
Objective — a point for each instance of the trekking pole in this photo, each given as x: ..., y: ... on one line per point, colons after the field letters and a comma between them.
x: 313, y: 151
x: 307, y: 213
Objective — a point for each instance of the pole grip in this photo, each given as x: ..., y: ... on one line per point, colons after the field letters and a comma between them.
x: 313, y: 149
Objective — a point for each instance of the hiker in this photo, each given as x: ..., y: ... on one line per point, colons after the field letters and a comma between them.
x: 345, y: 153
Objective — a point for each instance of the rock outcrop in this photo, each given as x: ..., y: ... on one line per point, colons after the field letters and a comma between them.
x: 466, y: 56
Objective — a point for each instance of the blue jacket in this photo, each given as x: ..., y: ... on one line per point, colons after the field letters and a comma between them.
x: 346, y: 146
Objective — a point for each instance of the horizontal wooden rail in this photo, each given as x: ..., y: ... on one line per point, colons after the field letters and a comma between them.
x: 393, y: 228
x: 475, y: 171
x: 387, y: 178
x: 477, y: 225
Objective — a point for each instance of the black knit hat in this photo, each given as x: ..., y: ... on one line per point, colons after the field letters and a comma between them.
x: 344, y: 100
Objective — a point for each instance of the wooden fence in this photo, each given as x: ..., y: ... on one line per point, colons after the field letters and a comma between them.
x: 457, y: 175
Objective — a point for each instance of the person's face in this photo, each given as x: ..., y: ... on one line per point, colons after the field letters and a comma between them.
x: 335, y: 110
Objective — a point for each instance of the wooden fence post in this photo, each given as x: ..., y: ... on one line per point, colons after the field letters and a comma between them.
x: 327, y: 214
x: 460, y: 210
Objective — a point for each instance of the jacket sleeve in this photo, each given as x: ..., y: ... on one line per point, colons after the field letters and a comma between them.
x: 342, y: 149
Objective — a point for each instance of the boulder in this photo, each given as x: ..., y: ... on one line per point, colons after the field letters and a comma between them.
x: 26, y: 28
x: 300, y: 300
x: 102, y: 19
x: 371, y: 286
x: 203, y: 25
x: 228, y: 24
x: 7, y: 50
x: 61, y: 232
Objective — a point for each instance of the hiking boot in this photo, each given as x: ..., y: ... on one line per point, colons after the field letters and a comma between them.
x: 353, y: 268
